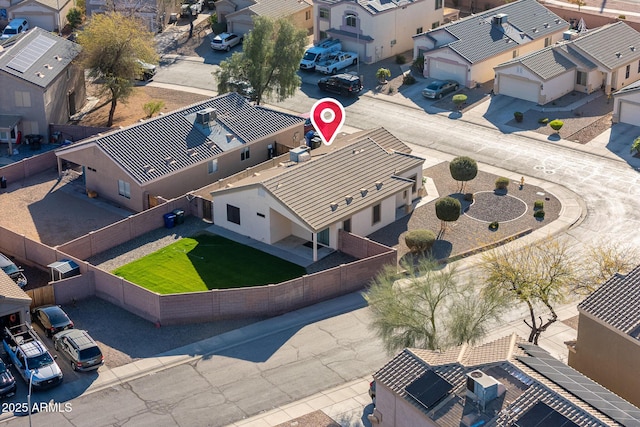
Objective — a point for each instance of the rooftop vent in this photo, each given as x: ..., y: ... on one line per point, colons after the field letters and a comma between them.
x: 534, y: 30
x: 618, y: 54
x: 557, y: 20
x: 499, y: 19
x: 149, y: 168
x: 191, y: 152
x: 632, y: 48
x: 348, y: 199
x: 334, y: 206
x: 363, y: 192
x: 48, y: 66
x: 205, y: 116
x: 57, y: 58
x: 546, y: 25
x: 169, y: 160
x: 378, y: 185
x: 39, y: 74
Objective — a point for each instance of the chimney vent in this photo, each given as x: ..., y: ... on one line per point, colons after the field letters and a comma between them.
x: 363, y: 192
x: 378, y: 185
x: 334, y: 206
x: 348, y: 199
x: 618, y: 54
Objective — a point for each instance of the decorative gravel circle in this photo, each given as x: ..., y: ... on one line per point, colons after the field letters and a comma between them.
x: 489, y: 206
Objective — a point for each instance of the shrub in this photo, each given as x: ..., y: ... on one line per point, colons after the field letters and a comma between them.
x: 400, y: 59
x: 418, y: 63
x: 459, y: 99
x: 468, y: 197
x: 74, y: 17
x: 538, y: 204
x: 463, y: 169
x: 392, y: 90
x: 635, y: 146
x: 408, y: 79
x: 622, y: 17
x: 556, y: 124
x: 518, y: 115
x: 494, y: 226
x: 152, y: 107
x: 502, y: 183
x: 419, y: 241
x: 383, y: 74
x: 448, y: 209
x: 543, y: 121
x: 538, y: 214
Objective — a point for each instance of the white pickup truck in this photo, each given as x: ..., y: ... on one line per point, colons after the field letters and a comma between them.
x: 336, y: 62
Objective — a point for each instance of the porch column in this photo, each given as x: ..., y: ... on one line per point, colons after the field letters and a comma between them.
x: 314, y: 237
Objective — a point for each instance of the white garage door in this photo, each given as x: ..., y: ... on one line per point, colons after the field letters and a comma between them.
x: 46, y: 22
x: 240, y: 28
x: 447, y: 71
x: 521, y: 89
x: 629, y: 113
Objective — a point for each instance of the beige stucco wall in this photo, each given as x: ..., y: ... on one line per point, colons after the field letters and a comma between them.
x: 552, y: 89
x: 608, y: 357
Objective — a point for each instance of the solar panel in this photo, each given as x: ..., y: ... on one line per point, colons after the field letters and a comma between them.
x: 429, y: 389
x: 542, y: 415
x: 581, y: 386
x: 31, y: 53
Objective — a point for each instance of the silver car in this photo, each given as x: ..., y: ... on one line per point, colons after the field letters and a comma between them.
x: 439, y: 88
x: 225, y: 41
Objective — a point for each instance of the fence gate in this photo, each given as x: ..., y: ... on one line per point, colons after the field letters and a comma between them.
x: 153, y: 201
x: 42, y: 296
x: 207, y: 210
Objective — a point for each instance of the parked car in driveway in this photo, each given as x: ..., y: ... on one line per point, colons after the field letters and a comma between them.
x: 79, y: 348
x: 342, y: 84
x: 7, y: 381
x: 52, y: 318
x: 439, y: 88
x: 225, y: 41
x: 16, y: 273
x: 146, y: 71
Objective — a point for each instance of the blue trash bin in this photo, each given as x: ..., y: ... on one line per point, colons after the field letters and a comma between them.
x: 169, y: 220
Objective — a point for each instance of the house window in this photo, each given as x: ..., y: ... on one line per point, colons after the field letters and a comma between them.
x: 435, y: 25
x: 23, y: 99
x: 627, y: 72
x: 438, y: 4
x: 350, y: 21
x: 419, y: 30
x: 324, y: 13
x: 414, y: 187
x: 638, y: 67
x: 323, y: 35
x: 244, y: 154
x: 124, y: 189
x: 213, y: 166
x: 323, y: 237
x: 4, y: 136
x: 581, y: 78
x: 233, y: 214
x: 346, y: 225
x: 547, y: 41
x: 515, y: 53
x: 377, y: 214
x: 307, y: 15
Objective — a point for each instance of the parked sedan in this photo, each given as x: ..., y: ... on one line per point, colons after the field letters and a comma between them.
x: 439, y: 88
x: 52, y: 319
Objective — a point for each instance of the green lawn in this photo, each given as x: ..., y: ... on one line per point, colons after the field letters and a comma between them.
x: 207, y: 262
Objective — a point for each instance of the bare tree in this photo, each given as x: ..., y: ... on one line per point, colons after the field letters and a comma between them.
x: 601, y: 261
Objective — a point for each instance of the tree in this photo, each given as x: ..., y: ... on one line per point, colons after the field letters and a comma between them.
x: 382, y: 75
x: 269, y: 60
x: 601, y: 261
x: 112, y: 44
x: 74, y: 17
x: 463, y: 169
x: 427, y: 308
x: 447, y: 210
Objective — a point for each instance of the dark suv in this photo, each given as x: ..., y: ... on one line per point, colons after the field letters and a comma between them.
x: 342, y: 84
x: 81, y: 350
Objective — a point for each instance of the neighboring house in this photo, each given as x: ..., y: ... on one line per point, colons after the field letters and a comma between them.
x: 14, y: 303
x: 608, y: 345
x: 356, y: 184
x: 153, y: 13
x: 375, y: 29
x: 626, y: 104
x: 50, y: 15
x: 173, y: 154
x: 240, y: 21
x: 41, y: 85
x: 468, y: 50
x: 603, y: 58
x: 507, y: 382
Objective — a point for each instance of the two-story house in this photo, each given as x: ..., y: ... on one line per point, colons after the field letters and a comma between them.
x: 239, y: 14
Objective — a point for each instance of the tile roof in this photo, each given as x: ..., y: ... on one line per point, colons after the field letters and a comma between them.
x: 545, y: 63
x: 373, y: 6
x: 278, y: 8
x: 168, y: 143
x: 477, y: 38
x: 500, y: 359
x: 310, y: 188
x: 611, y: 45
x: 10, y: 290
x: 43, y: 65
x: 617, y: 303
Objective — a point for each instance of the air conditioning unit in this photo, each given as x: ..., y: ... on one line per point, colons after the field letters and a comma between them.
x: 482, y: 387
x: 500, y: 18
x: 569, y: 35
x: 205, y: 116
x: 298, y: 154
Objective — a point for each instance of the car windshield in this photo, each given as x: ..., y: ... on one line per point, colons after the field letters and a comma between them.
x: 39, y: 361
x: 89, y: 353
x: 434, y: 86
x: 56, y: 316
x: 10, y: 31
x: 10, y: 269
x: 309, y: 56
x: 217, y: 40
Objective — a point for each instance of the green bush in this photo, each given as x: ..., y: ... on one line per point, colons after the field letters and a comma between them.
x: 74, y: 17
x: 152, y: 107
x: 502, y: 183
x: 419, y: 241
x: 494, y: 225
x: 543, y: 121
x: 418, y: 63
x: 556, y: 124
x: 622, y: 17
x: 538, y: 214
x: 459, y: 99
x: 400, y: 59
x: 383, y: 74
x: 408, y: 79
x: 538, y: 204
x: 635, y: 146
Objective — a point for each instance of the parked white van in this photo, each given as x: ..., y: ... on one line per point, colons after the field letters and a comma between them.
x: 15, y: 27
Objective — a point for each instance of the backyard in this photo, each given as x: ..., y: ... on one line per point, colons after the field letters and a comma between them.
x: 205, y: 262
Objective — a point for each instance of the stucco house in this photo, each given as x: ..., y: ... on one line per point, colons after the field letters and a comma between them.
x: 468, y: 50
x: 153, y: 13
x: 376, y: 29
x: 603, y: 58
x: 626, y: 104
x: 507, y: 382
x: 50, y: 15
x: 173, y: 154
x: 607, y: 348
x: 239, y: 14
x: 357, y: 184
x: 41, y: 84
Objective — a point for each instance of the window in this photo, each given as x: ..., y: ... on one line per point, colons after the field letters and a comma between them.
x: 124, y: 189
x: 419, y: 30
x: 435, y: 25
x: 414, y: 187
x: 323, y: 237
x: 261, y: 215
x: 233, y: 214
x: 627, y: 72
x: 438, y: 4
x: 346, y: 225
x: 350, y: 21
x: 4, y: 136
x: 581, y: 78
x: 547, y: 41
x: 515, y: 53
x: 638, y: 67
x: 307, y: 15
x: 23, y: 99
x: 324, y: 13
x: 244, y: 154
x: 213, y: 166
x: 323, y: 35
x: 376, y: 214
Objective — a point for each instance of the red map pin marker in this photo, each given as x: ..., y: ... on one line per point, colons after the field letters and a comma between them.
x: 327, y: 116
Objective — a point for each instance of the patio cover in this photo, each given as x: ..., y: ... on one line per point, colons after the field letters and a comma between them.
x: 7, y: 123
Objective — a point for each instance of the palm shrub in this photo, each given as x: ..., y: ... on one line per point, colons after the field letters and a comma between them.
x: 419, y: 241
x: 383, y: 74
x: 152, y: 107
x: 635, y: 146
x: 502, y: 183
x: 556, y: 124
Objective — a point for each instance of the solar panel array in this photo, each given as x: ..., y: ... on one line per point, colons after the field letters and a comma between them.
x: 30, y: 54
x: 429, y: 389
x: 581, y: 386
x: 542, y: 415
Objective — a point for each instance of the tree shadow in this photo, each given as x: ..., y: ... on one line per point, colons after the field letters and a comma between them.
x: 554, y: 137
x: 455, y: 115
